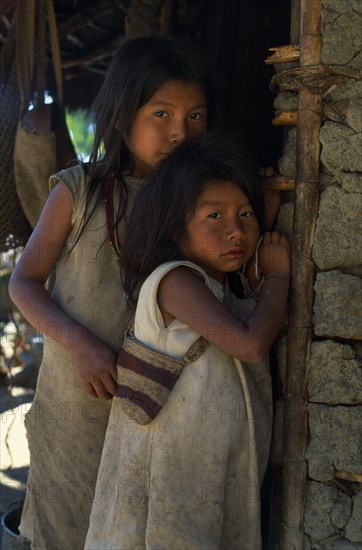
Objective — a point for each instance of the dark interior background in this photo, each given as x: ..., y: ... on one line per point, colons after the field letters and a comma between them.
x: 236, y: 36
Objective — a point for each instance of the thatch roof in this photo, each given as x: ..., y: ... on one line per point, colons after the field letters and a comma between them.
x: 91, y: 32
x: 89, y: 35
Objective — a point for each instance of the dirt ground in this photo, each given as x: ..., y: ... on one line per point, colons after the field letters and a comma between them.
x: 14, y: 456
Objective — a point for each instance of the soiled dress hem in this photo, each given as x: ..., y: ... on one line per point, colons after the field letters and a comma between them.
x: 191, y: 478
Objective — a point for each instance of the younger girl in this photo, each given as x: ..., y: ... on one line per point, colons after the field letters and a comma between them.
x: 156, y: 94
x: 190, y: 479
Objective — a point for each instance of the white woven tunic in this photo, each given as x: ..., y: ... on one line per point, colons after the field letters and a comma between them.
x: 190, y: 479
x: 66, y: 426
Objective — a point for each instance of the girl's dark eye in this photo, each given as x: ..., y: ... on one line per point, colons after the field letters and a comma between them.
x: 160, y: 114
x: 215, y: 215
x: 196, y: 116
x: 246, y: 214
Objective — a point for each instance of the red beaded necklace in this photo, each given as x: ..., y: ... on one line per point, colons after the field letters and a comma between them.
x: 113, y: 211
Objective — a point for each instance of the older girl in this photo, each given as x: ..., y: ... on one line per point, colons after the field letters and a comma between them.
x: 156, y: 94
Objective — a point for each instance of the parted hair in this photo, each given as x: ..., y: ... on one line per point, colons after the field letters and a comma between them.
x: 167, y: 201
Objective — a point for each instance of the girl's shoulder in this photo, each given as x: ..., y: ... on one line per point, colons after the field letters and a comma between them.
x: 150, y: 286
x: 148, y: 315
x: 74, y: 178
x: 162, y: 270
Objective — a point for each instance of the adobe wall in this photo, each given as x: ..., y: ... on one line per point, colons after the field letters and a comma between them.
x: 333, y: 515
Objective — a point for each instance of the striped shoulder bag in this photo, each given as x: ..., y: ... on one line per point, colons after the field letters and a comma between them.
x: 146, y: 376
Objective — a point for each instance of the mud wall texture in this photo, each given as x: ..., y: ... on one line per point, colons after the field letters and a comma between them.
x: 333, y: 514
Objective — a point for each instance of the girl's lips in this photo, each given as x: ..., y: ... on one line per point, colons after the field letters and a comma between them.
x: 234, y: 253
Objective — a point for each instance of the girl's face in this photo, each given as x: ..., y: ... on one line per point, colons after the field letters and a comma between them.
x: 177, y: 111
x: 223, y: 233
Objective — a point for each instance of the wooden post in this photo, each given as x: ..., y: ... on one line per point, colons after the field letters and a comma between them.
x: 300, y: 322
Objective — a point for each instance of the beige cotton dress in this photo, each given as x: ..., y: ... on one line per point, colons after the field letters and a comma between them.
x: 65, y: 426
x: 189, y: 480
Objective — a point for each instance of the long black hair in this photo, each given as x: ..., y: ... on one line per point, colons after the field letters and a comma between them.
x: 137, y: 70
x: 167, y: 201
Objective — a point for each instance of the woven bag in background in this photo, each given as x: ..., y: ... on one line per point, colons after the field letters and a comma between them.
x: 42, y: 145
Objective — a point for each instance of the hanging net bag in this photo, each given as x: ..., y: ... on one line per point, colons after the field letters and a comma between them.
x: 14, y: 227
x: 34, y: 139
x: 42, y: 144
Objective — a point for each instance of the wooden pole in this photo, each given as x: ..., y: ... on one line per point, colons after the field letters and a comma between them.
x: 300, y: 322
x: 41, y: 58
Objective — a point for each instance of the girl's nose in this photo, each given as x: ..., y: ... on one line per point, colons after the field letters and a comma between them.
x: 236, y: 230
x: 178, y: 131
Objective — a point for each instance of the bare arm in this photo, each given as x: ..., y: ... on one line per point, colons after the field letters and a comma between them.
x: 182, y: 294
x: 94, y: 361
